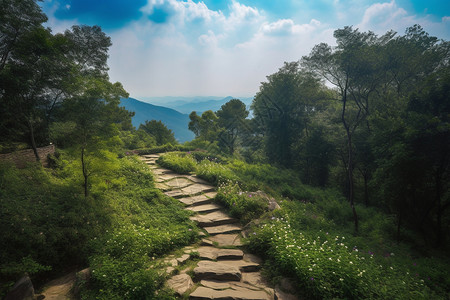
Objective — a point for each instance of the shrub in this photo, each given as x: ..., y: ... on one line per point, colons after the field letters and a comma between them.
x: 245, y: 206
x: 178, y: 162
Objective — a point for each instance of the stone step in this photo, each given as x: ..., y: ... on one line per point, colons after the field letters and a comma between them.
x: 198, y: 200
x: 213, y: 219
x: 223, y: 229
x: 151, y: 156
x: 198, y: 188
x: 175, y: 194
x: 226, y: 240
x: 180, y: 283
x: 204, y: 293
x: 178, y: 183
x: 242, y: 265
x: 216, y: 271
x: 230, y: 254
x: 206, y: 208
x: 161, y: 171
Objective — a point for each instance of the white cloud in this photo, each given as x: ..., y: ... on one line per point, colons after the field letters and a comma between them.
x: 287, y: 26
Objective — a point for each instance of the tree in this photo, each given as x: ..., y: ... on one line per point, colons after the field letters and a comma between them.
x: 159, y: 131
x: 283, y: 108
x: 205, y: 127
x: 17, y: 19
x: 355, y: 67
x: 231, y: 118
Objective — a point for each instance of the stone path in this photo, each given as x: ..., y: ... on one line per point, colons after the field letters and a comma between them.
x: 224, y: 271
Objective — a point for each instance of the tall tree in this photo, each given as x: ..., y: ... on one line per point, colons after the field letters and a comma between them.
x: 231, y: 118
x: 354, y: 66
x: 159, y: 131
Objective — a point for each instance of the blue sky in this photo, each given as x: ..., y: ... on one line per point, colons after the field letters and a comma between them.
x: 227, y: 47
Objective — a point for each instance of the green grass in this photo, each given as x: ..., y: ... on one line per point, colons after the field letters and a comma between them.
x: 311, y: 238
x: 119, y: 231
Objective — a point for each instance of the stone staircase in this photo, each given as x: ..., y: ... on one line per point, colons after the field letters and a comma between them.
x: 224, y: 270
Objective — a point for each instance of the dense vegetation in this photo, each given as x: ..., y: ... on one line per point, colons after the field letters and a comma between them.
x: 380, y: 135
x: 311, y: 237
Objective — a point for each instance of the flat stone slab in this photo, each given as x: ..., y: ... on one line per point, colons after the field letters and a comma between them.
x: 216, y: 271
x: 168, y: 176
x: 222, y: 229
x: 242, y: 265
x: 195, y: 200
x: 224, y: 240
x: 184, y: 258
x: 206, y: 208
x: 207, y: 252
x: 160, y: 171
x: 196, y: 179
x: 204, y: 293
x: 178, y: 182
x: 175, y: 194
x: 230, y: 254
x: 151, y: 156
x: 254, y: 278
x: 213, y: 219
x: 180, y: 283
x: 197, y: 188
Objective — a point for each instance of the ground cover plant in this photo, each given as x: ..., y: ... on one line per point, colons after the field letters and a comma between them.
x: 119, y: 231
x: 312, y: 240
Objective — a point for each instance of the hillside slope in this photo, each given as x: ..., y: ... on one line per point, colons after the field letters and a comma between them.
x: 173, y: 119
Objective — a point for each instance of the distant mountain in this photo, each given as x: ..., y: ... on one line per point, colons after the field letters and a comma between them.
x: 173, y: 119
x: 201, y: 106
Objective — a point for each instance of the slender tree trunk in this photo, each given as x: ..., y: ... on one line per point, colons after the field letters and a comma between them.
x: 439, y: 210
x: 366, y: 188
x: 33, y: 141
x: 351, y: 195
x: 85, y: 174
x: 399, y: 224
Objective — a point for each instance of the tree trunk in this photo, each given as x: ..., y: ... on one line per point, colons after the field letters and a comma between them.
x: 366, y: 189
x: 85, y: 174
x: 33, y: 141
x: 351, y: 195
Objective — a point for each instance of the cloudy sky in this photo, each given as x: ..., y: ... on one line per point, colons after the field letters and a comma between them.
x: 227, y: 47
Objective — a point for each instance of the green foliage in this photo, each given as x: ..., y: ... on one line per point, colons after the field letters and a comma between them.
x: 179, y: 162
x: 164, y: 148
x: 324, y: 266
x: 159, y: 132
x: 242, y: 205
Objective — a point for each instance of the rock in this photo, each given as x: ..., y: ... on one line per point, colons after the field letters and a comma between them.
x: 197, y: 188
x: 195, y: 200
x: 287, y: 285
x: 273, y: 205
x: 222, y: 229
x: 184, y: 258
x: 204, y: 293
x: 206, y: 242
x: 216, y: 285
x: 206, y: 208
x: 244, y: 266
x: 280, y: 295
x: 216, y: 271
x: 229, y: 254
x: 225, y: 240
x: 180, y: 283
x: 254, y: 278
x: 213, y: 219
x: 252, y: 258
x: 60, y: 288
x: 22, y: 290
x: 175, y: 194
x: 82, y: 279
x: 207, y: 252
x: 178, y: 183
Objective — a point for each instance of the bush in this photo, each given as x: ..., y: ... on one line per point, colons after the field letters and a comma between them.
x: 245, y: 206
x: 164, y: 148
x: 178, y: 162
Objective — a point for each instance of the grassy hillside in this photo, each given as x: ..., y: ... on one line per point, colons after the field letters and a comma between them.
x: 311, y: 238
x: 49, y: 228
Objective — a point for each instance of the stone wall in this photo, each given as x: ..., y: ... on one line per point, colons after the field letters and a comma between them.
x: 22, y: 157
